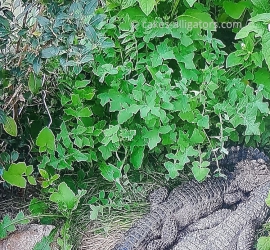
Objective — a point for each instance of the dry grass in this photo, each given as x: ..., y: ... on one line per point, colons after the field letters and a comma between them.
x: 102, y: 242
x: 109, y: 228
x: 103, y: 235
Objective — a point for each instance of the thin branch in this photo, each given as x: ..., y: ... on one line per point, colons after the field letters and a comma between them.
x: 45, y: 104
x: 13, y: 96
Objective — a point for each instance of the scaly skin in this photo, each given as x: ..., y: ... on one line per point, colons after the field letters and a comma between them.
x: 237, y: 154
x: 147, y: 228
x: 190, y: 202
x: 234, y: 230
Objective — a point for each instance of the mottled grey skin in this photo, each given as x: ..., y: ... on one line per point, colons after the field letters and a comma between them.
x: 237, y: 154
x: 226, y: 230
x: 190, y: 202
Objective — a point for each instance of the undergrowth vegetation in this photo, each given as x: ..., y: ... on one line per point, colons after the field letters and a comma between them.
x: 98, y: 99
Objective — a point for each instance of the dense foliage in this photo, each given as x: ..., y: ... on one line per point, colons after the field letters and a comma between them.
x: 125, y: 89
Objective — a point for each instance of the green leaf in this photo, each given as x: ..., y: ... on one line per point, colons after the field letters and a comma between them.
x: 85, y: 112
x: 81, y: 84
x: 79, y: 156
x: 127, y: 113
x: 37, y: 64
x: 49, y: 52
x: 34, y: 83
x: 264, y: 17
x: 91, y: 34
x: 194, y: 19
x: 262, y: 76
x: 101, y: 194
x: 257, y: 28
x: 263, y: 243
x: 136, y: 157
x: 55, y: 177
x: 8, y: 225
x: 95, y: 211
x: 105, y: 151
x: 144, y: 111
x: 105, y: 69
x: 45, y: 140
x: 76, y: 101
x: 10, y: 126
x: 257, y: 58
x: 200, y: 173
x: 65, y: 196
x: 235, y: 10
x: 153, y: 138
x: 31, y: 180
x: 14, y: 156
x: 124, y: 115
x: 4, y: 22
x: 37, y: 206
x: 46, y: 184
x: 147, y: 5
x: 203, y: 121
x: 196, y: 137
x: 64, y: 134
x: 77, y: 69
x: 90, y: 7
x: 191, y: 2
x: 109, y: 172
x: 29, y: 170
x: 112, y: 130
x: 267, y: 200
x: 8, y: 14
x: 262, y: 106
x: 173, y: 168
x: 236, y: 120
x: 44, y: 173
x: 262, y: 4
x: 3, y: 116
x: 266, y: 48
x: 44, y: 244
x: 20, y: 217
x: 86, y: 59
x: 253, y: 129
x: 233, y: 59
x: 128, y: 134
x: 137, y: 94
x: 165, y: 51
x: 14, y: 174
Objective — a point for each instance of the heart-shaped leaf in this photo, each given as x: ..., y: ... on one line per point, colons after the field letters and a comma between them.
x: 14, y: 175
x: 200, y: 173
x: 45, y: 140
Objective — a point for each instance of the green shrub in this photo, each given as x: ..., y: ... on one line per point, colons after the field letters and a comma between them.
x: 126, y: 88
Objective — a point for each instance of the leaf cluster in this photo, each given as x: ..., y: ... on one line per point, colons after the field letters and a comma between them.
x: 128, y: 89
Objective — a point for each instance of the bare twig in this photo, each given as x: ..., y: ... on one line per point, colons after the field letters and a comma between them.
x: 18, y: 89
x: 44, y: 102
x: 117, y: 156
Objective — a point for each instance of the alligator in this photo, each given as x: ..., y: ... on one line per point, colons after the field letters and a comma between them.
x: 237, y: 154
x: 226, y: 229
x: 191, y: 201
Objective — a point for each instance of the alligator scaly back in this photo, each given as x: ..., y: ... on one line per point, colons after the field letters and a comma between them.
x: 192, y: 201
x: 230, y: 230
x: 237, y: 154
